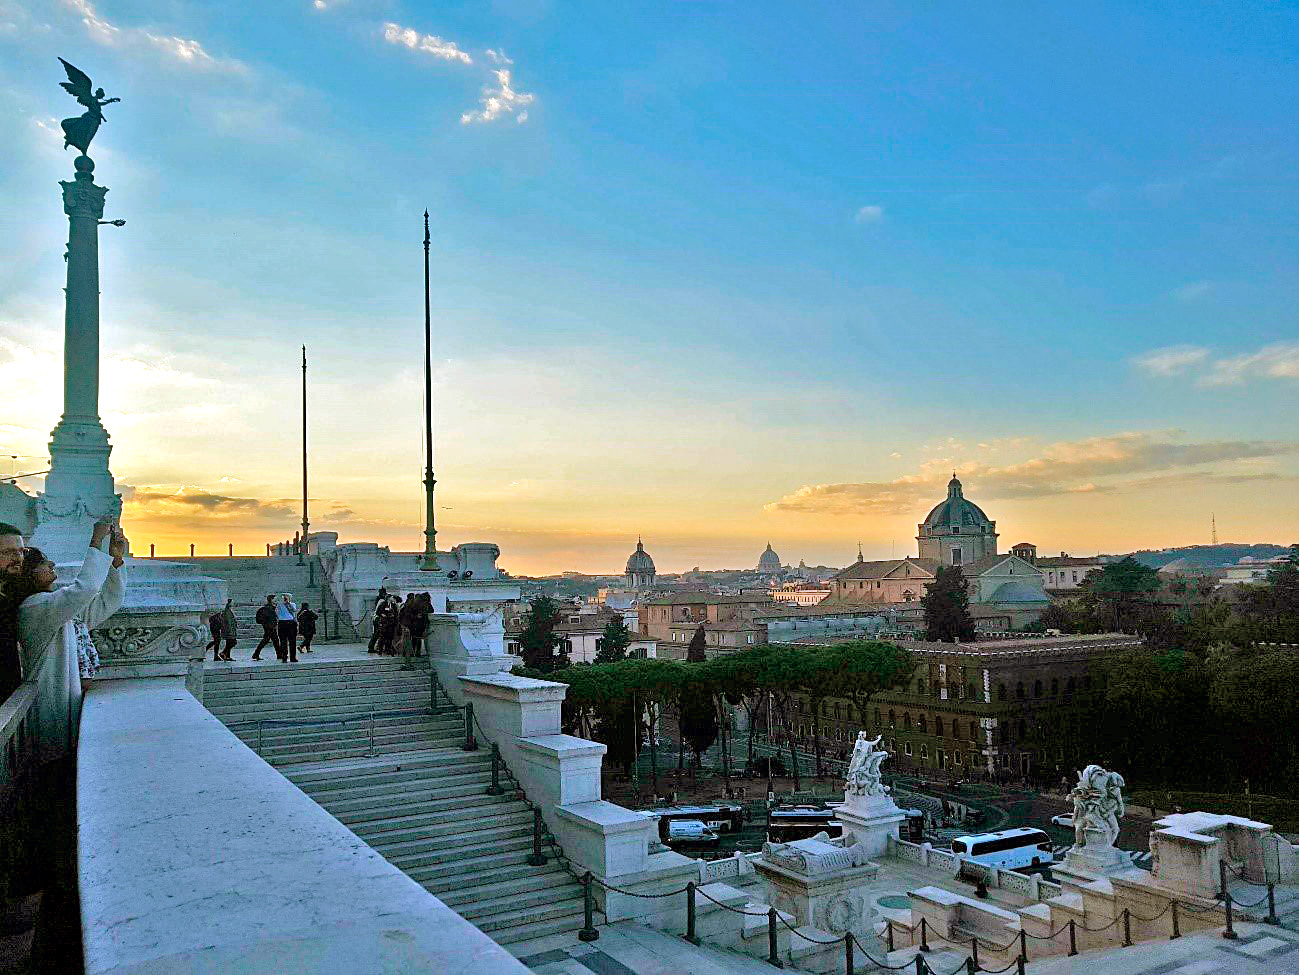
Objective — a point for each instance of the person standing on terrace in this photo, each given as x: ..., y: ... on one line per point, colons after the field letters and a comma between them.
x: 47, y: 633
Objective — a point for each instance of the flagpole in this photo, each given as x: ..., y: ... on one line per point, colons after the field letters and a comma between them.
x: 305, y: 523
x: 430, y: 560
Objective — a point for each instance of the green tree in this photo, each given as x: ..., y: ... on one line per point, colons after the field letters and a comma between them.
x: 947, y: 607
x: 613, y: 642
x: 698, y: 644
x: 539, y: 645
x: 1119, y: 595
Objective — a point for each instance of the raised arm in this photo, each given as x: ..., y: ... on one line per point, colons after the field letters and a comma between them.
x: 42, y: 616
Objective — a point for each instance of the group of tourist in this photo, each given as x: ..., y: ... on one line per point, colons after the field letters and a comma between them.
x: 400, y: 625
x: 283, y: 624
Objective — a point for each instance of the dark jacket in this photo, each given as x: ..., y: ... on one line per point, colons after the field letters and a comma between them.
x: 307, y: 621
x: 266, y: 615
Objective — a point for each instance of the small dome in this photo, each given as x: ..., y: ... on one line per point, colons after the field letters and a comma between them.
x: 769, y: 561
x: 640, y: 560
x: 955, y: 512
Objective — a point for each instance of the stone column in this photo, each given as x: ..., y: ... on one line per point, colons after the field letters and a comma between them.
x: 79, y: 489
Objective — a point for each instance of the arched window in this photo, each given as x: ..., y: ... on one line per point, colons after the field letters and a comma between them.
x: 1055, y: 686
x: 974, y: 731
x: 938, y: 727
x: 924, y: 753
x: 923, y: 725
x: 1019, y: 690
x: 969, y: 690
x: 1001, y: 692
x: 906, y: 722
x: 1037, y: 688
x: 836, y: 712
x: 1023, y: 729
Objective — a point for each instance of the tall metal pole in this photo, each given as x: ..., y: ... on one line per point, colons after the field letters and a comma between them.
x: 305, y: 523
x: 430, y: 562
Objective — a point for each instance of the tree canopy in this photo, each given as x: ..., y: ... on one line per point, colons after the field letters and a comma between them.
x: 947, y: 607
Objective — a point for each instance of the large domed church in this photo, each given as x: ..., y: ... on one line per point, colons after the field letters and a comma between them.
x: 956, y: 531
x: 640, y: 568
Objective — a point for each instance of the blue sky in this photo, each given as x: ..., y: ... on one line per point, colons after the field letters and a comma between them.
x: 715, y: 273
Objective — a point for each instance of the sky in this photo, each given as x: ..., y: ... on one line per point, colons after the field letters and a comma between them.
x: 714, y: 274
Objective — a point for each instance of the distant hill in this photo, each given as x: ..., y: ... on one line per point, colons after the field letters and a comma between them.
x: 1207, y: 556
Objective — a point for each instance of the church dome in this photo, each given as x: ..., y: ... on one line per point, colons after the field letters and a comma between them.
x: 769, y: 561
x: 955, y: 512
x: 640, y: 560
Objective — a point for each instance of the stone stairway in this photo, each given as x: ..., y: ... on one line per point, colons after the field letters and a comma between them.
x: 403, y: 784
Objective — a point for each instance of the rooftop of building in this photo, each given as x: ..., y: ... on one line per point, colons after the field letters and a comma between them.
x: 705, y: 598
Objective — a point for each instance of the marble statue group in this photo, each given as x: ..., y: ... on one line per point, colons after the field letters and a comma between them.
x: 863, y: 778
x: 1097, y: 804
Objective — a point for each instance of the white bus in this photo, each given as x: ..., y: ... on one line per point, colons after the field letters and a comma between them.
x: 1011, y: 848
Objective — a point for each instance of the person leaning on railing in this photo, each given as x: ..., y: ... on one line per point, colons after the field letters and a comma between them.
x: 48, y: 636
x: 11, y: 563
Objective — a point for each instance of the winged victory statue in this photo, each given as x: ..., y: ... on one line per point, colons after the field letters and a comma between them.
x: 80, y: 130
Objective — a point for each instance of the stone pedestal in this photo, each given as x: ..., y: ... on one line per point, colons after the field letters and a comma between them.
x: 820, y: 883
x: 1096, y: 859
x: 869, y: 821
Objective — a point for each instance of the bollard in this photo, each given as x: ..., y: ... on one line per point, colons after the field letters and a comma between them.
x: 1271, y: 905
x: 1127, y: 928
x: 847, y: 953
x: 924, y: 935
x: 1177, y: 930
x: 1230, y: 932
x: 1023, y: 946
x: 471, y: 744
x: 921, y: 967
x: 773, y: 954
x: 890, y: 927
x: 1073, y: 938
x: 588, y: 932
x: 1019, y: 968
x: 495, y: 788
x: 974, y: 954
x: 232, y: 550
x: 191, y: 550
x: 690, y: 914
x: 536, y: 858
x: 970, y: 967
x: 151, y: 550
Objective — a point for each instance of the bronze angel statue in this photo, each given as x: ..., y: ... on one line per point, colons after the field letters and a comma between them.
x: 79, y: 131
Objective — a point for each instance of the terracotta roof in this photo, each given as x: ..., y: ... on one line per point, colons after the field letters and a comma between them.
x: 1064, y: 561
x: 878, y: 570
x: 704, y: 598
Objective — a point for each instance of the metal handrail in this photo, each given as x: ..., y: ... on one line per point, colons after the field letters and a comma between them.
x: 370, y: 717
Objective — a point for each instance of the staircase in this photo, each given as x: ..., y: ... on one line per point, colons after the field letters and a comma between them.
x: 402, y: 783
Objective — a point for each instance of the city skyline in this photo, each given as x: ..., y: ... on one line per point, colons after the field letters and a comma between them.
x: 680, y: 290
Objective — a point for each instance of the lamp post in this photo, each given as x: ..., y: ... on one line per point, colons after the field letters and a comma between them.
x: 305, y: 523
x: 430, y: 560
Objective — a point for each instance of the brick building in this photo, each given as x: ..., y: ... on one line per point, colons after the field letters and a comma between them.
x: 1002, y: 707
x: 730, y: 622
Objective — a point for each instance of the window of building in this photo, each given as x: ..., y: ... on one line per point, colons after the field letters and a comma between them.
x: 956, y: 556
x: 906, y: 722
x: 969, y: 690
x: 893, y: 719
x: 1069, y: 686
x: 1019, y: 690
x: 923, y: 725
x: 907, y: 747
x: 920, y: 687
x: 1087, y: 681
x: 1055, y: 686
x: 1001, y: 692
x: 877, y: 717
x: 1023, y: 729
x: 938, y: 727
x: 974, y: 731
x: 924, y: 753
x: 1005, y: 734
x: 1075, y: 576
x: 1037, y: 688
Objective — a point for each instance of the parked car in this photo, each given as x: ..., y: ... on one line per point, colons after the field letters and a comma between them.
x: 690, y: 832
x: 1065, y: 821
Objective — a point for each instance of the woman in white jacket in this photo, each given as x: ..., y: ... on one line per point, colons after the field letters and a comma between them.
x: 49, y: 637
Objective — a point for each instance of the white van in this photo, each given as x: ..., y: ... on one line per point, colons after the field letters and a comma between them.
x: 1009, y: 848
x: 691, y: 831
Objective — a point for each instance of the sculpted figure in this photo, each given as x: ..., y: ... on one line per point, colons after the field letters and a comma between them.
x: 79, y: 131
x: 863, y: 778
x: 1097, y: 804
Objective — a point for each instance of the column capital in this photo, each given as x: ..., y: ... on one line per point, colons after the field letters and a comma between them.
x: 82, y: 198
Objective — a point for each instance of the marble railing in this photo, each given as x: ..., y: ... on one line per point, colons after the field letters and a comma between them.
x: 194, y: 854
x: 19, y: 729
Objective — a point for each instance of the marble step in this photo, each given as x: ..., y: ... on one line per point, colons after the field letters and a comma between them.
x: 523, y: 888
x: 471, y: 871
x: 324, y: 710
x: 512, y: 813
x: 271, y: 669
x: 405, y: 790
x: 362, y: 811
x: 274, y: 741
x: 398, y: 846
x: 510, y: 921
x: 305, y: 690
x: 556, y: 898
x: 351, y: 732
x: 439, y: 860
x: 382, y: 769
x: 342, y: 752
x: 567, y: 924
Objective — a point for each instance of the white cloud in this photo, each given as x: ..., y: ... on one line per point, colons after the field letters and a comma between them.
x: 872, y: 213
x: 1171, y: 361
x: 498, y: 57
x: 1193, y: 290
x: 181, y: 50
x: 428, y: 43
x: 500, y: 101
x: 1277, y: 361
x: 1070, y: 467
